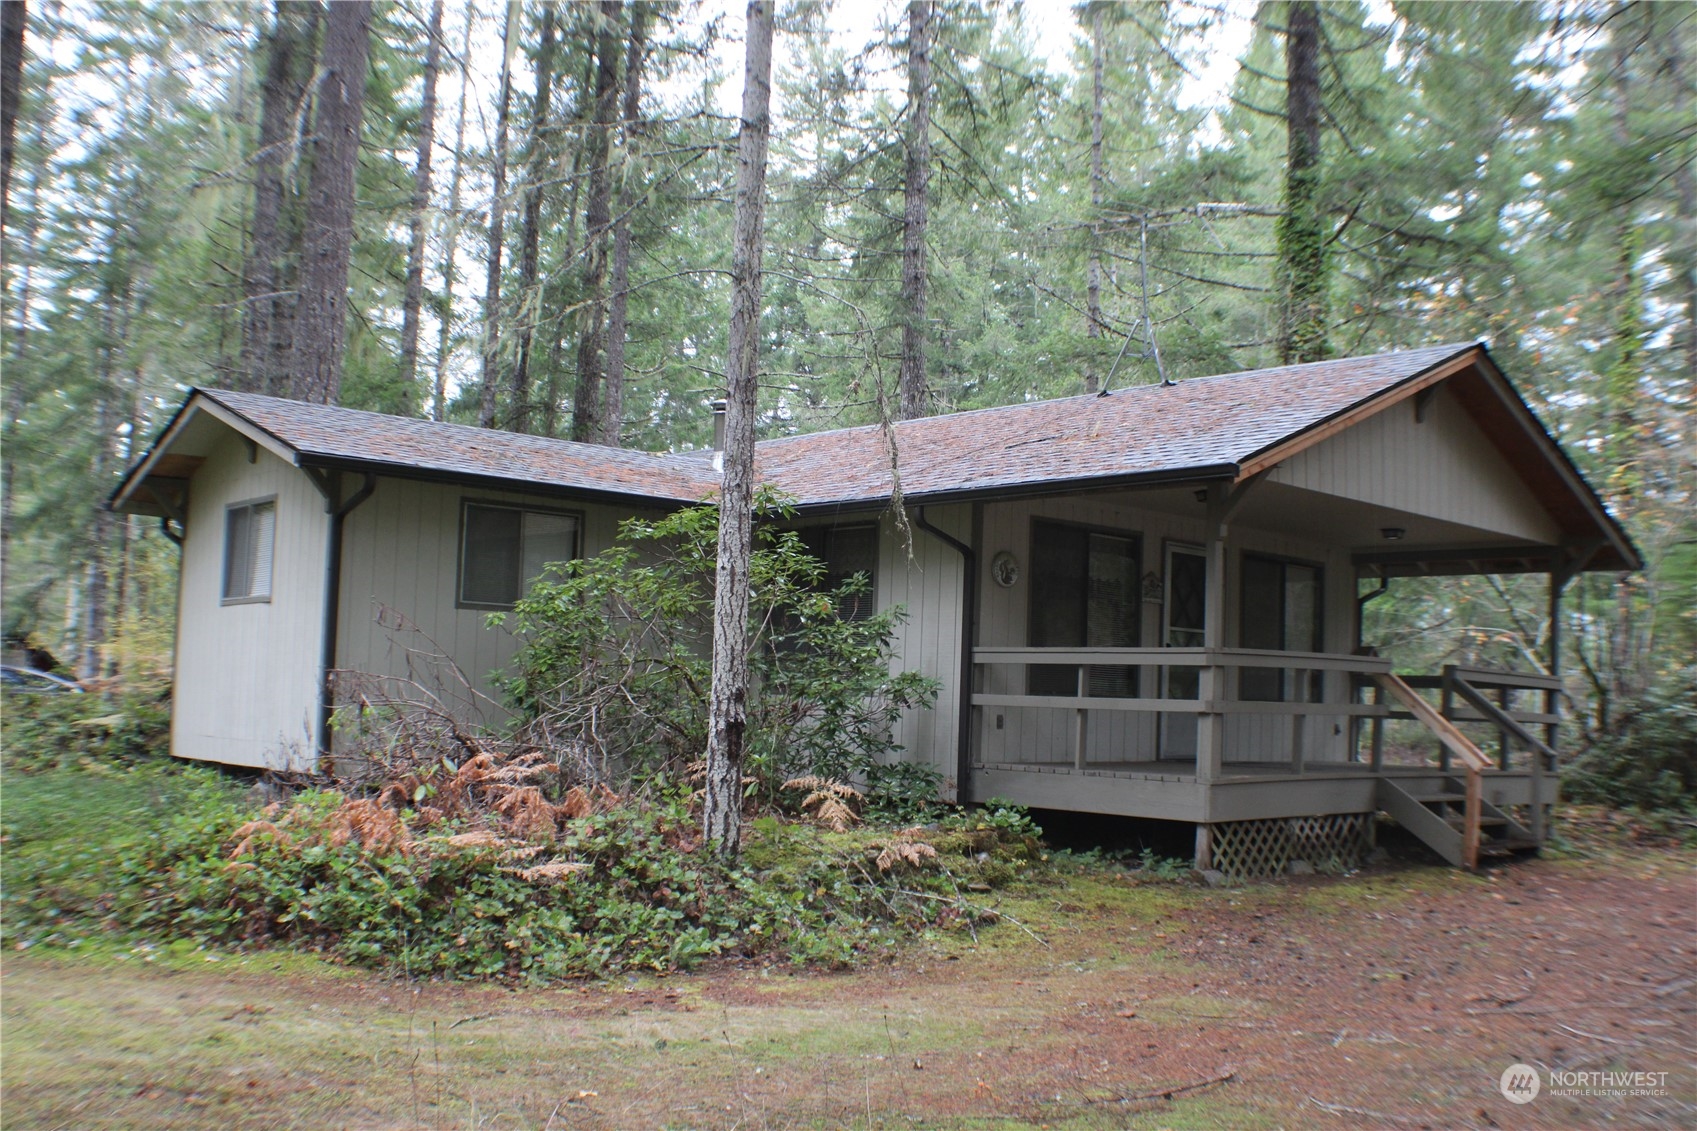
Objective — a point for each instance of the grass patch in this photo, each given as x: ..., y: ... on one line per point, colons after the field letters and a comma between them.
x: 70, y: 832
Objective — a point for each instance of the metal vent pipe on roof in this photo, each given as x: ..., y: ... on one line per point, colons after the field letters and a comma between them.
x: 718, y: 408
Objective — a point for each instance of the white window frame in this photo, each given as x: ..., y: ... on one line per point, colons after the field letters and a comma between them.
x: 522, y: 509
x: 259, y: 569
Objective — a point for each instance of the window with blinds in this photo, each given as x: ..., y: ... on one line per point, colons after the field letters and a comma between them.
x: 847, y: 551
x: 503, y: 549
x: 1084, y: 594
x: 250, y: 534
x: 1280, y: 611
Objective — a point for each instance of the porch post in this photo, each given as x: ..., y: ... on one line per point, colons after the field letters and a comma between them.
x: 1204, y: 858
x: 1211, y: 724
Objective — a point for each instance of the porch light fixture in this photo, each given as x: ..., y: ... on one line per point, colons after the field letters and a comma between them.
x: 1392, y: 533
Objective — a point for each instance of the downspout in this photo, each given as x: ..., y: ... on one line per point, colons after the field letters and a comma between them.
x: 330, y: 486
x: 969, y: 602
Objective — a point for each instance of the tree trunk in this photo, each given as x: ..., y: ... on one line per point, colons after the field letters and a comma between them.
x: 445, y: 322
x: 321, y: 323
x: 1620, y: 380
x: 917, y: 186
x: 1301, y: 235
x: 586, y: 401
x: 582, y: 117
x: 727, y: 712
x: 497, y: 224
x: 270, y: 277
x: 14, y: 397
x: 13, y: 16
x: 618, y: 306
x: 1684, y: 183
x: 530, y: 240
x: 91, y: 625
x: 1093, y: 281
x: 413, y: 302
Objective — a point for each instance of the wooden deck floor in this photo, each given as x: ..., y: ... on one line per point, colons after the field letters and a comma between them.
x: 1168, y: 789
x: 1173, y: 769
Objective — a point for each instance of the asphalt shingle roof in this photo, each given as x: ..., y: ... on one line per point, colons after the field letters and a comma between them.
x: 1201, y: 425
x: 342, y: 435
x: 1145, y: 430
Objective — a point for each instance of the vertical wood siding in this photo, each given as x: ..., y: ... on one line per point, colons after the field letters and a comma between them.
x: 930, y: 588
x: 1442, y: 467
x: 246, y: 684
x: 401, y: 551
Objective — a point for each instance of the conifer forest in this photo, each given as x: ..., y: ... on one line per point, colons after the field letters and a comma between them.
x: 521, y: 215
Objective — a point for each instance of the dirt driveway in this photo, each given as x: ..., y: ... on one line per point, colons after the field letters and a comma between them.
x: 1390, y: 999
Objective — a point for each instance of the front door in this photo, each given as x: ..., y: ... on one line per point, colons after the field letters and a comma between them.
x: 1184, y: 613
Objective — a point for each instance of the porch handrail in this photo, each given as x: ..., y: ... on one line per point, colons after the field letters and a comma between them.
x: 1472, y: 758
x: 1182, y: 657
x: 1503, y: 720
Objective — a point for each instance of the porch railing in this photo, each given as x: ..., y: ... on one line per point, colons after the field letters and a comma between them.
x: 1306, y: 686
x: 1342, y: 693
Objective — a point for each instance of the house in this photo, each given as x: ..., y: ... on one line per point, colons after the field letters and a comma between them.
x: 1145, y: 602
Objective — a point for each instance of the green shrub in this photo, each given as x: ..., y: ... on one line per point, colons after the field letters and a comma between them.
x: 38, y: 731
x: 1648, y: 760
x: 164, y: 853
x: 1008, y: 818
x: 75, y: 835
x: 903, y: 793
x: 614, y: 662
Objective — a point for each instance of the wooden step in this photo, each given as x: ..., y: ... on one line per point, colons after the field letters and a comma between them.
x: 1484, y: 822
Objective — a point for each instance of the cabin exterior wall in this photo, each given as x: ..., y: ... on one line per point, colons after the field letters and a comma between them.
x: 246, y: 679
x: 931, y: 587
x: 401, y: 551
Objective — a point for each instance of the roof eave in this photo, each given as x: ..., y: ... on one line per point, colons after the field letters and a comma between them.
x: 658, y: 500
x: 198, y: 400
x: 1627, y: 556
x: 1009, y: 492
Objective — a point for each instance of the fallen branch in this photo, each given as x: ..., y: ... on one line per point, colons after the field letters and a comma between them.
x: 1340, y: 1109
x: 971, y: 907
x: 1505, y: 1002
x: 477, y: 1017
x: 1591, y: 1036
x: 1169, y: 1093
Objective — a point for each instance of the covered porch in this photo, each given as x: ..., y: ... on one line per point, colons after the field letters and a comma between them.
x: 1464, y: 758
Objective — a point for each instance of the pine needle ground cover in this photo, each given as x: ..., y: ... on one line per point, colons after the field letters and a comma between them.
x: 1388, y: 999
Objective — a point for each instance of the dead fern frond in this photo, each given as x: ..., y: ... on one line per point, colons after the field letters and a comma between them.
x: 576, y: 803
x: 913, y: 853
x: 523, y: 768
x: 478, y: 838
x: 528, y: 813
x: 830, y: 802
x: 246, y: 834
x: 376, y: 828
x: 551, y: 872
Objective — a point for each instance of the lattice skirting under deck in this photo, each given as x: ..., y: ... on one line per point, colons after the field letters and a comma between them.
x: 1245, y: 850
